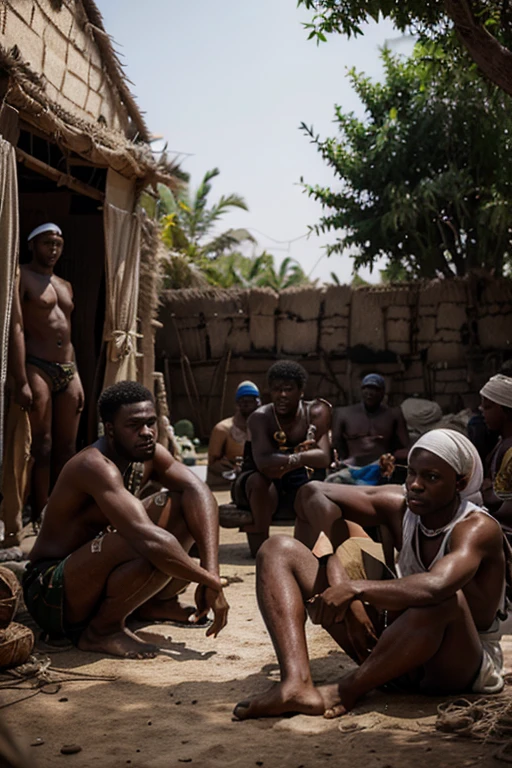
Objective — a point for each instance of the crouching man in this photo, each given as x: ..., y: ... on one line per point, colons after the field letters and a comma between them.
x: 102, y: 554
x: 435, y: 628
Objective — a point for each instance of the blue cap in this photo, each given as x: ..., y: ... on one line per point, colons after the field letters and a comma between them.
x: 247, y: 389
x: 374, y: 380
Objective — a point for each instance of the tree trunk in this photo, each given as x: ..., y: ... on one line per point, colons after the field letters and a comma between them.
x: 492, y: 58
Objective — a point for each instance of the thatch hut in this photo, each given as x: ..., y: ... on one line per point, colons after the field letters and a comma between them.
x: 74, y: 149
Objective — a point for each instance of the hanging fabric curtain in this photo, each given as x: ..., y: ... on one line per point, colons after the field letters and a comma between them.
x: 122, y: 263
x: 9, y: 247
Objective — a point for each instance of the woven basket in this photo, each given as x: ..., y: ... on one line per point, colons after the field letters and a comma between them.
x: 16, y: 644
x: 9, y: 595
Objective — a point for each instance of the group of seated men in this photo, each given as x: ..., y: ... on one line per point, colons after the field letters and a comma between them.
x: 103, y: 555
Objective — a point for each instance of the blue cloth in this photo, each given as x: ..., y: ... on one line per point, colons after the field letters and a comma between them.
x: 374, y: 380
x: 247, y: 389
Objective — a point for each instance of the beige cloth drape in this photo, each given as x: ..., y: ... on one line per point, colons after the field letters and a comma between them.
x: 122, y: 263
x: 9, y: 247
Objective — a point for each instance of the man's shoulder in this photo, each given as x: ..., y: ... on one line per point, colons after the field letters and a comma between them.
x: 93, y: 462
x: 479, y: 527
x: 224, y: 425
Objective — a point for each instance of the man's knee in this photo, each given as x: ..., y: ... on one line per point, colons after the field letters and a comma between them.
x: 306, y: 495
x: 278, y: 548
x: 41, y: 447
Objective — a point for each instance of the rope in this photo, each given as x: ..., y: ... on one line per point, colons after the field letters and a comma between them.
x: 38, y: 675
x: 487, y: 719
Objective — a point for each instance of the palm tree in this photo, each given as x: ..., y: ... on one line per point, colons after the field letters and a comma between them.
x: 188, y: 223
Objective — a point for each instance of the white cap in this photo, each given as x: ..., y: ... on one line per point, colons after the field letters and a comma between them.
x: 49, y: 227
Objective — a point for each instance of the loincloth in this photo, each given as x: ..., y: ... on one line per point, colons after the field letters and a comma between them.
x: 60, y: 374
x: 287, y: 488
x: 490, y: 675
x: 43, y: 591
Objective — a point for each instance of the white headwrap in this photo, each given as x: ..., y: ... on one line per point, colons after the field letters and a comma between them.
x: 498, y: 390
x: 48, y: 227
x: 460, y: 453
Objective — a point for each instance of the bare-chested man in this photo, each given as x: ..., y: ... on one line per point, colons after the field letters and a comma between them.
x: 497, y: 411
x: 288, y: 440
x: 226, y: 445
x: 102, y: 554
x: 363, y: 432
x: 434, y: 628
x: 43, y: 362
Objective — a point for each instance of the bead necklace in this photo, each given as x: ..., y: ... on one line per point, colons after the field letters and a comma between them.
x: 280, y: 435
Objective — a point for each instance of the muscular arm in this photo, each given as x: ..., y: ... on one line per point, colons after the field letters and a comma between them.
x: 217, y: 461
x: 100, y: 479
x: 198, y: 505
x: 338, y: 431
x: 471, y: 542
x: 275, y: 464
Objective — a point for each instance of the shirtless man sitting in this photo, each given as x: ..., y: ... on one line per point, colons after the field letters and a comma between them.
x: 288, y: 440
x: 102, y: 554
x: 363, y: 432
x: 434, y: 628
x: 226, y: 445
x: 497, y: 411
x: 42, y: 362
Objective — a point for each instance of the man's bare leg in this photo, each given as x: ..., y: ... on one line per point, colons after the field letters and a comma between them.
x: 41, y: 428
x: 262, y: 496
x: 441, y: 641
x: 117, y: 582
x: 67, y: 409
x: 317, y: 513
x: 165, y: 605
x: 288, y: 574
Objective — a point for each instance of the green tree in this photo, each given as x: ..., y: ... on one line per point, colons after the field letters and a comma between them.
x: 426, y: 177
x: 189, y: 223
x: 483, y: 26
x: 236, y: 270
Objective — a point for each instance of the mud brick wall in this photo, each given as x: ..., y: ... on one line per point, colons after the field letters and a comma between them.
x: 439, y: 340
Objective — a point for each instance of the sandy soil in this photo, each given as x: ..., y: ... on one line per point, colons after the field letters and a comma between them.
x: 176, y: 709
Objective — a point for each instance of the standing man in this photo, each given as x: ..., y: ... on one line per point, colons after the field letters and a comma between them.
x: 102, y: 554
x: 43, y: 364
x: 228, y: 437
x: 364, y: 432
x: 497, y: 411
x: 288, y: 441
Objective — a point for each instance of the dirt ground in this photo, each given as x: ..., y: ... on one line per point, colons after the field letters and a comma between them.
x: 176, y: 709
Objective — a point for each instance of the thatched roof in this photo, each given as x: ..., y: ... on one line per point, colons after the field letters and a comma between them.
x: 126, y: 152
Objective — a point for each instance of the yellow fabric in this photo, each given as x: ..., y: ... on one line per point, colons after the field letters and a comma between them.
x: 362, y: 559
x: 502, y: 483
x: 122, y: 255
x: 15, y: 472
x: 9, y: 247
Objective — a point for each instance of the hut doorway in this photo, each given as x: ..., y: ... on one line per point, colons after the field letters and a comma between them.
x: 44, y: 195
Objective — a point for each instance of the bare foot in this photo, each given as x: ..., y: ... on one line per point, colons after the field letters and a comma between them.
x: 165, y: 610
x: 123, y: 643
x: 280, y: 700
x: 338, y: 699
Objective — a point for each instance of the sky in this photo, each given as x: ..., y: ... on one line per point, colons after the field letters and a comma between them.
x: 227, y: 84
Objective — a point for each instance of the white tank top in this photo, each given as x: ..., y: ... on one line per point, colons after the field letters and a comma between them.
x: 409, y: 561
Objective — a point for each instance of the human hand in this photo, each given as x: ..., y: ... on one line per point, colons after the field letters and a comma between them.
x: 387, y: 464
x: 331, y: 606
x: 23, y: 396
x: 209, y: 599
x: 360, y: 629
x: 306, y: 445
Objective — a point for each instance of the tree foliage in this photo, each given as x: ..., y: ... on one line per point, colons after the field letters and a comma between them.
x: 426, y: 177
x: 483, y: 26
